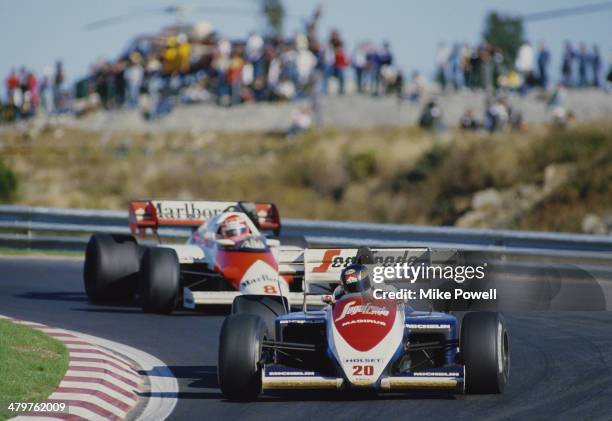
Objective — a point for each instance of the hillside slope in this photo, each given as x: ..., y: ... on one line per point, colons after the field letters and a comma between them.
x: 546, y: 179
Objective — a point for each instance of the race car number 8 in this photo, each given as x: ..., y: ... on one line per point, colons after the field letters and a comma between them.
x: 363, y: 370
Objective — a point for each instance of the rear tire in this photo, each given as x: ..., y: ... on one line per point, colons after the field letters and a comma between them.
x: 111, y: 267
x: 486, y: 354
x: 240, y: 352
x: 160, y: 277
x: 267, y: 307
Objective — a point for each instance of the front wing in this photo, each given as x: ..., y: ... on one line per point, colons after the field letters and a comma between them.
x: 451, y: 378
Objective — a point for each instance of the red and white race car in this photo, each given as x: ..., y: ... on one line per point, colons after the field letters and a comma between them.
x: 227, y: 254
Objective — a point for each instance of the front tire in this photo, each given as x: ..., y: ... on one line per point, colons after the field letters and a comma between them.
x: 485, y: 349
x: 160, y: 273
x: 240, y: 356
x: 111, y: 267
x: 267, y: 307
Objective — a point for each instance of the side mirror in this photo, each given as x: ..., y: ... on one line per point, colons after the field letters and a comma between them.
x: 226, y: 242
x: 328, y: 299
x: 273, y: 242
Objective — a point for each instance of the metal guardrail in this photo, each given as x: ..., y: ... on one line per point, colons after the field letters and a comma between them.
x: 54, y: 228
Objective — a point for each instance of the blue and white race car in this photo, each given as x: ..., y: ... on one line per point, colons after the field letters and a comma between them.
x: 357, y: 342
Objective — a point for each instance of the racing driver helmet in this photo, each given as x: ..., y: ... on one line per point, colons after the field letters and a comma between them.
x: 355, y: 278
x: 234, y: 228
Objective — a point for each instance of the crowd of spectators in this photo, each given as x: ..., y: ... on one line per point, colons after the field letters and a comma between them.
x: 187, y: 69
x: 26, y: 93
x: 484, y: 67
x: 191, y: 63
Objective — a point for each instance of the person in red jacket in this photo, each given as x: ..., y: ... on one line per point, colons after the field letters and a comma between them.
x: 12, y: 84
x: 340, y: 64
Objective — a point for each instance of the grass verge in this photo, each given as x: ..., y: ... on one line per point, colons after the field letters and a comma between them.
x: 10, y: 251
x: 32, y: 365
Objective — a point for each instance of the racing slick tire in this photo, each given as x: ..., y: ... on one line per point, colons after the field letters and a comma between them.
x: 112, y: 262
x: 267, y: 307
x: 160, y: 277
x: 240, y: 356
x: 486, y: 354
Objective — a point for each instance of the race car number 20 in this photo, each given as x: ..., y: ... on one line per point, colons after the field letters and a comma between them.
x: 363, y: 370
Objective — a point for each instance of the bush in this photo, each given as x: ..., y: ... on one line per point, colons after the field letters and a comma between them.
x: 426, y: 165
x: 8, y: 184
x: 362, y: 165
x: 579, y: 144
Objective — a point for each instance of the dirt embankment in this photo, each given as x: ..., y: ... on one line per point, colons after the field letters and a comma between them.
x: 543, y: 179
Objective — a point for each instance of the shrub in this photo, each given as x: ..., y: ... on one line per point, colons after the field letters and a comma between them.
x: 8, y: 184
x: 361, y: 165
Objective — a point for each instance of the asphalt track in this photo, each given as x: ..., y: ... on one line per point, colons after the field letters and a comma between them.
x: 560, y: 361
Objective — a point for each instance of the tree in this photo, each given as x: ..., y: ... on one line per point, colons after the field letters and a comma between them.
x: 274, y: 12
x: 505, y: 33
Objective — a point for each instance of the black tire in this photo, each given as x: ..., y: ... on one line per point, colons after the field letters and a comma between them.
x: 240, y: 356
x: 160, y: 277
x: 111, y: 267
x: 267, y: 307
x: 485, y: 350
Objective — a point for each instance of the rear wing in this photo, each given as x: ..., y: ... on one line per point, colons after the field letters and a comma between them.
x: 324, y: 265
x: 152, y: 214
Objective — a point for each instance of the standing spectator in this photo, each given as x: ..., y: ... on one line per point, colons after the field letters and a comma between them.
x: 442, y: 58
x: 455, y: 64
x: 543, y: 61
x: 254, y: 51
x: 360, y: 62
x: 567, y: 64
x: 133, y: 79
x: 335, y: 61
x: 466, y: 65
x: 46, y: 96
x: 57, y: 86
x: 327, y: 58
x: 23, y: 81
x: 12, y: 84
x: 583, y: 65
x: 341, y: 62
x: 170, y: 58
x: 487, y: 68
x: 609, y: 76
x: 305, y: 63
x: 475, y: 65
x: 371, y: 68
x: 220, y: 65
x: 119, y: 86
x: 274, y: 71
x: 32, y: 89
x: 596, y: 65
x: 384, y: 60
x: 234, y: 75
x: 524, y: 64
x: 184, y: 57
